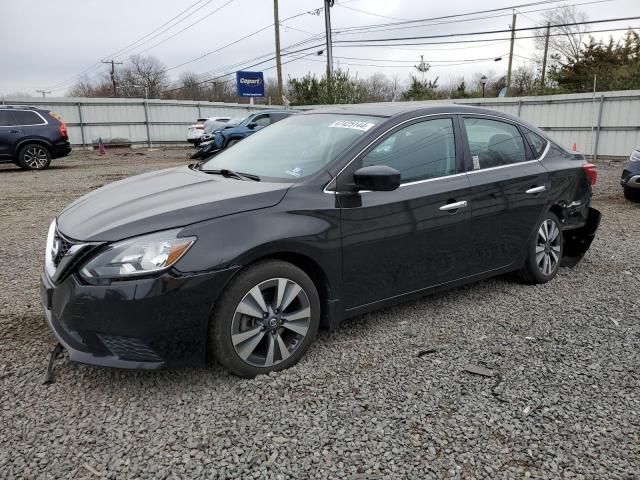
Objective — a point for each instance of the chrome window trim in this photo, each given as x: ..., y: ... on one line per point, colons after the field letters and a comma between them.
x: 335, y: 192
x: 501, y: 166
x: 24, y: 110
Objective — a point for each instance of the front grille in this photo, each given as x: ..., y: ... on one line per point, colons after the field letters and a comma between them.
x: 127, y: 348
x: 63, y: 247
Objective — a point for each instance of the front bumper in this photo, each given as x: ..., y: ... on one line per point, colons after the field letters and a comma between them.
x: 140, y: 324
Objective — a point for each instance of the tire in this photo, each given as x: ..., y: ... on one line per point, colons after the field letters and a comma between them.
x: 544, y: 257
x: 632, y: 194
x: 231, y: 143
x: 34, y: 156
x: 247, y: 342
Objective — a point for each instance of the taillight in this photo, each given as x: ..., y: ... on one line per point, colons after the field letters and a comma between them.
x: 63, y: 131
x: 592, y: 173
x: 199, y: 127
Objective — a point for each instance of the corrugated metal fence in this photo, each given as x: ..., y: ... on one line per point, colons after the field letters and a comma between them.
x: 607, y: 124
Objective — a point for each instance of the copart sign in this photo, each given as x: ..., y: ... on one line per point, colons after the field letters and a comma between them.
x: 250, y: 84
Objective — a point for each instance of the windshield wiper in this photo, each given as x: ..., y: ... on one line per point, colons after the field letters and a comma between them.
x: 230, y: 173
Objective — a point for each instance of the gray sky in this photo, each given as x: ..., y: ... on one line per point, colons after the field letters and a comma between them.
x: 45, y: 43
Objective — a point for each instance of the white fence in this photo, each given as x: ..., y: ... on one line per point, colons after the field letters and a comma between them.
x: 604, y: 124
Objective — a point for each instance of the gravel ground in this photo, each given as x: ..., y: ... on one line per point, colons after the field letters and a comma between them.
x: 364, y: 403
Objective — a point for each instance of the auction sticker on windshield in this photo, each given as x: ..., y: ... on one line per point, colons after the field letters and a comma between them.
x: 352, y: 124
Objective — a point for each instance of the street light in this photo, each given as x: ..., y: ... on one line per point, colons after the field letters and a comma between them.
x: 483, y: 82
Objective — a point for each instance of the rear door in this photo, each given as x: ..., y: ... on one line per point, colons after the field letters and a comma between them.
x: 509, y: 191
x: 10, y: 134
x: 413, y: 237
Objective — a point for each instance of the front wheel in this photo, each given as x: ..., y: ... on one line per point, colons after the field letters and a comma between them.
x: 545, y: 252
x: 265, y: 319
x: 231, y: 143
x: 34, y: 156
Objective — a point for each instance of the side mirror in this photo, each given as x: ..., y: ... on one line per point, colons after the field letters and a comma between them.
x: 378, y: 178
x: 252, y: 125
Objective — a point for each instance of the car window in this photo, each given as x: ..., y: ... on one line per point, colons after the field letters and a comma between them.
x: 25, y: 117
x: 536, y: 142
x: 6, y: 120
x: 493, y: 143
x: 420, y: 151
x: 262, y: 120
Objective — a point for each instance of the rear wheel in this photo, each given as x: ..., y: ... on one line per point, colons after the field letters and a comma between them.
x: 265, y: 320
x: 34, y: 156
x: 632, y: 194
x: 545, y: 252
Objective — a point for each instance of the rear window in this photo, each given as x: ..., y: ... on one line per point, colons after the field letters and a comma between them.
x: 6, y: 120
x: 26, y: 117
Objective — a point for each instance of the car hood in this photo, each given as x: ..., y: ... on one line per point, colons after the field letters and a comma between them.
x: 162, y: 200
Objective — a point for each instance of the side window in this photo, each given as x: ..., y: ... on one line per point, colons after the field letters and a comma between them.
x: 536, y: 142
x: 420, y: 151
x: 6, y: 120
x: 493, y: 143
x: 25, y: 117
x: 262, y: 120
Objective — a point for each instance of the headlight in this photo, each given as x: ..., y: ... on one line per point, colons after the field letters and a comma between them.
x: 635, y: 156
x: 138, y: 256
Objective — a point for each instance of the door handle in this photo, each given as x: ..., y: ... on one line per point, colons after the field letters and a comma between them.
x: 14, y: 131
x: 534, y: 190
x: 453, y: 206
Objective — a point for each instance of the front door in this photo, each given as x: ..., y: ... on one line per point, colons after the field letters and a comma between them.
x: 509, y: 191
x: 409, y: 239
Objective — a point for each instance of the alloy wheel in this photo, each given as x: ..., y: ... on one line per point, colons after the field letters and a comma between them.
x: 548, y: 247
x: 35, y: 157
x: 270, y: 322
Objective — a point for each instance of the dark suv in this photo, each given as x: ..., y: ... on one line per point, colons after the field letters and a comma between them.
x: 30, y: 137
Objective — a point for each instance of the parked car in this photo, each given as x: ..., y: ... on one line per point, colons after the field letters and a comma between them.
x: 242, y: 126
x: 210, y: 126
x: 196, y: 130
x: 31, y: 137
x: 630, y: 180
x: 321, y: 217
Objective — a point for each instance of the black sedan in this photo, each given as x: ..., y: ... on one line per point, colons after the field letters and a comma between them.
x: 630, y: 180
x: 244, y: 257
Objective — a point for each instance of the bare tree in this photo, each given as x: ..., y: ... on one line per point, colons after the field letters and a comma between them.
x: 565, y: 42
x: 140, y: 73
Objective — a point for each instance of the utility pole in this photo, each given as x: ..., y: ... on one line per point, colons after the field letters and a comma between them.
x: 544, y: 59
x: 43, y: 92
x: 113, y: 73
x: 327, y: 25
x: 513, y: 39
x: 276, y: 24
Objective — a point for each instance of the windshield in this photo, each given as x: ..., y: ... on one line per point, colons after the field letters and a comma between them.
x: 295, y: 147
x: 235, y: 121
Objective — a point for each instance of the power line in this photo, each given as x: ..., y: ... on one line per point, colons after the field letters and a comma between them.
x: 140, y: 42
x: 487, y: 32
x: 370, y: 13
x: 482, y: 40
x: 186, y: 28
x: 200, y: 57
x: 91, y: 68
x: 347, y: 30
x: 457, y: 15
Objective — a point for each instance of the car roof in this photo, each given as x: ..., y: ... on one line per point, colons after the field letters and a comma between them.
x: 21, y: 107
x: 392, y: 109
